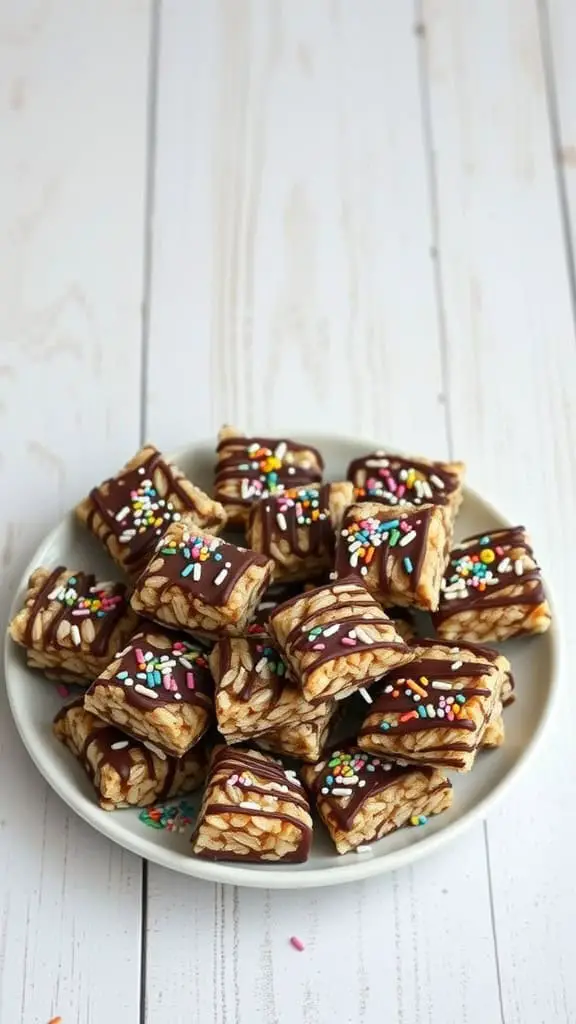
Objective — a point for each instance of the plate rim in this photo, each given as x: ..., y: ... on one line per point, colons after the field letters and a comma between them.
x: 279, y: 877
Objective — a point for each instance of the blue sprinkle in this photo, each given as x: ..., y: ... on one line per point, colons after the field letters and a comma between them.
x: 186, y: 552
x: 421, y: 711
x: 121, y: 675
x: 329, y: 779
x: 408, y: 565
x: 217, y: 557
x: 384, y: 726
x: 485, y: 539
x: 461, y: 698
x: 187, y: 570
x: 390, y: 526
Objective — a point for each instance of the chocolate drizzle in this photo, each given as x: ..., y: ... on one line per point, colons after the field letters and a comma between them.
x: 210, y: 575
x: 481, y: 568
x: 284, y: 518
x: 345, y: 635
x: 106, y: 738
x: 137, y: 539
x: 419, y: 704
x: 386, y: 539
x: 263, y: 466
x: 82, y: 583
x: 260, y: 778
x: 259, y: 648
x: 370, y: 776
x: 392, y: 479
x: 152, y: 674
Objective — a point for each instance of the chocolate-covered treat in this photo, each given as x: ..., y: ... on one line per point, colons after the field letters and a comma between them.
x: 399, y: 554
x: 253, y: 810
x: 404, y: 623
x: 361, y: 798
x: 201, y: 584
x: 336, y: 639
x: 404, y: 480
x: 303, y: 740
x: 130, y: 511
x: 124, y: 772
x: 492, y: 589
x: 250, y: 468
x: 297, y: 528
x: 71, y: 625
x: 158, y: 689
x: 435, y: 712
x: 253, y: 694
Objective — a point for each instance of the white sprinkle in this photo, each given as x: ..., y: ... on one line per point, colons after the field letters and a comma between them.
x: 291, y: 470
x: 441, y: 686
x: 352, y: 634
x: 364, y: 693
x: 281, y: 450
x: 376, y: 463
x: 504, y: 565
x: 122, y: 514
x: 389, y: 688
x: 330, y: 630
x: 155, y: 750
x: 260, y: 665
x: 430, y: 711
x: 355, y: 546
x: 519, y: 567
x: 339, y: 791
x: 454, y: 650
x: 75, y: 634
x: 324, y: 790
x: 196, y: 571
x: 120, y: 745
x: 55, y: 593
x: 251, y: 804
x: 141, y: 470
x: 363, y: 849
x: 451, y: 595
x: 354, y: 560
x: 364, y: 570
x: 177, y: 696
x: 222, y: 575
x: 407, y: 538
x: 184, y: 661
x: 440, y: 713
x: 145, y: 691
x: 127, y: 536
x: 281, y: 520
x: 128, y: 682
x: 437, y: 481
x: 456, y: 665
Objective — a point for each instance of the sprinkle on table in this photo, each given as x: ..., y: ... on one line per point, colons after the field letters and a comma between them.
x: 297, y: 943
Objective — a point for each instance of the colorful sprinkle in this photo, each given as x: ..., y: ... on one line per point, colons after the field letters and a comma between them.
x: 297, y: 943
x: 171, y: 817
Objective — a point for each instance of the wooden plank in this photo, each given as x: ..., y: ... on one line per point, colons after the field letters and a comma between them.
x: 73, y: 116
x: 510, y: 339
x: 293, y: 280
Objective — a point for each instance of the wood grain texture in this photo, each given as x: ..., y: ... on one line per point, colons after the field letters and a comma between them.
x: 293, y: 276
x: 72, y: 165
x: 512, y: 360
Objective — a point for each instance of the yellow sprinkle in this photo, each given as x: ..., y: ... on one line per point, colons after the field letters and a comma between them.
x: 487, y: 556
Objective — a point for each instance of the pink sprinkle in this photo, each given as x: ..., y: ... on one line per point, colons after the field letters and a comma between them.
x: 190, y: 680
x: 81, y: 611
x: 139, y: 654
x: 62, y: 690
x: 167, y: 681
x: 297, y: 943
x: 499, y: 551
x: 400, y: 491
x: 404, y: 526
x: 348, y: 641
x: 391, y: 484
x: 319, y: 647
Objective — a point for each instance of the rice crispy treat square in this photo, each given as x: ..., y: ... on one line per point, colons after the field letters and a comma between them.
x: 200, y: 583
x: 71, y: 624
x: 336, y: 639
x: 124, y: 772
x: 362, y: 798
x: 407, y: 480
x: 302, y: 740
x: 297, y: 528
x: 253, y: 810
x: 437, y: 711
x: 251, y: 468
x: 400, y: 554
x: 492, y: 589
x: 130, y: 511
x: 253, y: 692
x: 158, y: 689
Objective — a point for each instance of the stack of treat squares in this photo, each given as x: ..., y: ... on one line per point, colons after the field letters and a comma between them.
x: 294, y: 674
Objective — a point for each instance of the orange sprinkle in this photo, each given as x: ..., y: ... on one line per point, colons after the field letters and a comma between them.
x: 408, y: 716
x: 55, y: 1020
x: 369, y: 555
x: 416, y: 688
x: 395, y: 693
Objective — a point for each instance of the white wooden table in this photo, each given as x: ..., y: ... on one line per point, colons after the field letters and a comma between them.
x: 349, y: 216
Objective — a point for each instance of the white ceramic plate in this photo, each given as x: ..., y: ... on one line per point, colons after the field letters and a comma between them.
x: 34, y: 702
